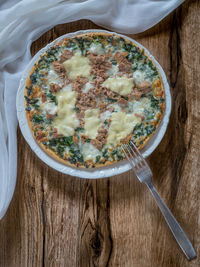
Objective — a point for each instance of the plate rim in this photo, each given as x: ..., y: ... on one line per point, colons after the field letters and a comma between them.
x: 101, y: 172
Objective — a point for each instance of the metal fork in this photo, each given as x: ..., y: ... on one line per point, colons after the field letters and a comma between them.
x: 144, y: 174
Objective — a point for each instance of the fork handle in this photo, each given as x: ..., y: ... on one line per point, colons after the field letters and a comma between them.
x: 174, y: 226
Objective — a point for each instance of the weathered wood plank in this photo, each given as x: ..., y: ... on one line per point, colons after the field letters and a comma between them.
x: 58, y: 220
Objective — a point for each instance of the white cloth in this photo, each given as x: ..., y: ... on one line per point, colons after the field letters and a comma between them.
x: 22, y: 22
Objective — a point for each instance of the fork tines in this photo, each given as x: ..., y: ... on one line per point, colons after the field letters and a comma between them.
x: 133, y: 155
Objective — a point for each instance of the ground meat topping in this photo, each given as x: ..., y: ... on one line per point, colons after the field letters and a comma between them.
x: 66, y: 55
x: 122, y: 101
x: 54, y: 87
x: 125, y: 66
x: 120, y: 56
x: 143, y: 85
x: 140, y: 116
x: 100, y: 139
x: 55, y: 133
x: 44, y: 98
x: 78, y: 83
x: 58, y: 67
x: 39, y: 135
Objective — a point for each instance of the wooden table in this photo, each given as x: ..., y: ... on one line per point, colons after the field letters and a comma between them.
x: 58, y: 220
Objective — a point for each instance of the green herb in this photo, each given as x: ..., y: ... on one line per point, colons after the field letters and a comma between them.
x: 120, y: 157
x: 81, y: 44
x: 37, y: 119
x: 67, y: 140
x: 149, y: 129
x: 70, y: 44
x: 98, y: 158
x: 114, y: 152
x: 52, y: 142
x: 104, y: 154
x: 138, y: 130
x: 75, y: 155
x: 154, y: 102
x: 52, y: 97
x: 111, y: 100
x: 31, y: 101
x: 134, y: 65
x: 34, y: 76
x: 36, y: 106
x: 149, y: 115
x: 60, y: 150
x: 79, y: 129
x: 28, y: 108
x: 76, y: 109
x: 63, y: 141
x: 127, y: 47
x: 78, y: 155
x: 114, y: 62
x: 141, y: 67
x: 29, y: 90
x: 125, y: 97
x: 109, y: 39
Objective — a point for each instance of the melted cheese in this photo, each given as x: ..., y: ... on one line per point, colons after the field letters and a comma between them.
x: 53, y: 77
x: 50, y: 107
x: 96, y: 49
x: 138, y: 76
x: 77, y: 65
x: 121, y: 85
x: 87, y: 87
x: 89, y: 151
x: 140, y: 106
x: 105, y: 115
x: 67, y: 88
x: 66, y: 121
x: 113, y: 71
x: 122, y: 125
x: 92, y: 122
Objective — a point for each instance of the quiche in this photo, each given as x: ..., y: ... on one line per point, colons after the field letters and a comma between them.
x: 88, y: 94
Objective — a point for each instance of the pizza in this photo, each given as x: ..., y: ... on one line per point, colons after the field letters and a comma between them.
x: 89, y: 94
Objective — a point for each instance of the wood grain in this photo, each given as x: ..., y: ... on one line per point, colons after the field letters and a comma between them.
x: 58, y: 220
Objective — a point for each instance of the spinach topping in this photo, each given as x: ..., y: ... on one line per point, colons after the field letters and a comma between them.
x: 63, y: 141
x: 37, y: 119
x: 52, y: 97
x: 60, y: 150
x: 98, y: 158
x: 75, y: 155
x: 138, y: 130
x: 149, y: 129
x: 31, y: 101
x: 34, y: 76
x: 154, y: 102
x: 76, y: 109
x: 149, y: 115
x: 29, y: 90
x: 79, y: 129
x: 80, y: 41
x: 125, y: 97
x: 109, y: 99
x: 28, y: 108
x: 105, y: 153
x: 114, y: 62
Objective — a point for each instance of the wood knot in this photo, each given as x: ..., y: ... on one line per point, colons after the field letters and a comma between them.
x: 96, y: 243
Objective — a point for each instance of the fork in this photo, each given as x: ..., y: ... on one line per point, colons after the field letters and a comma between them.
x: 144, y: 174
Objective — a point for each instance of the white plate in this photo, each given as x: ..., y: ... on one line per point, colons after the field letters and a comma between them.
x: 102, y: 172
